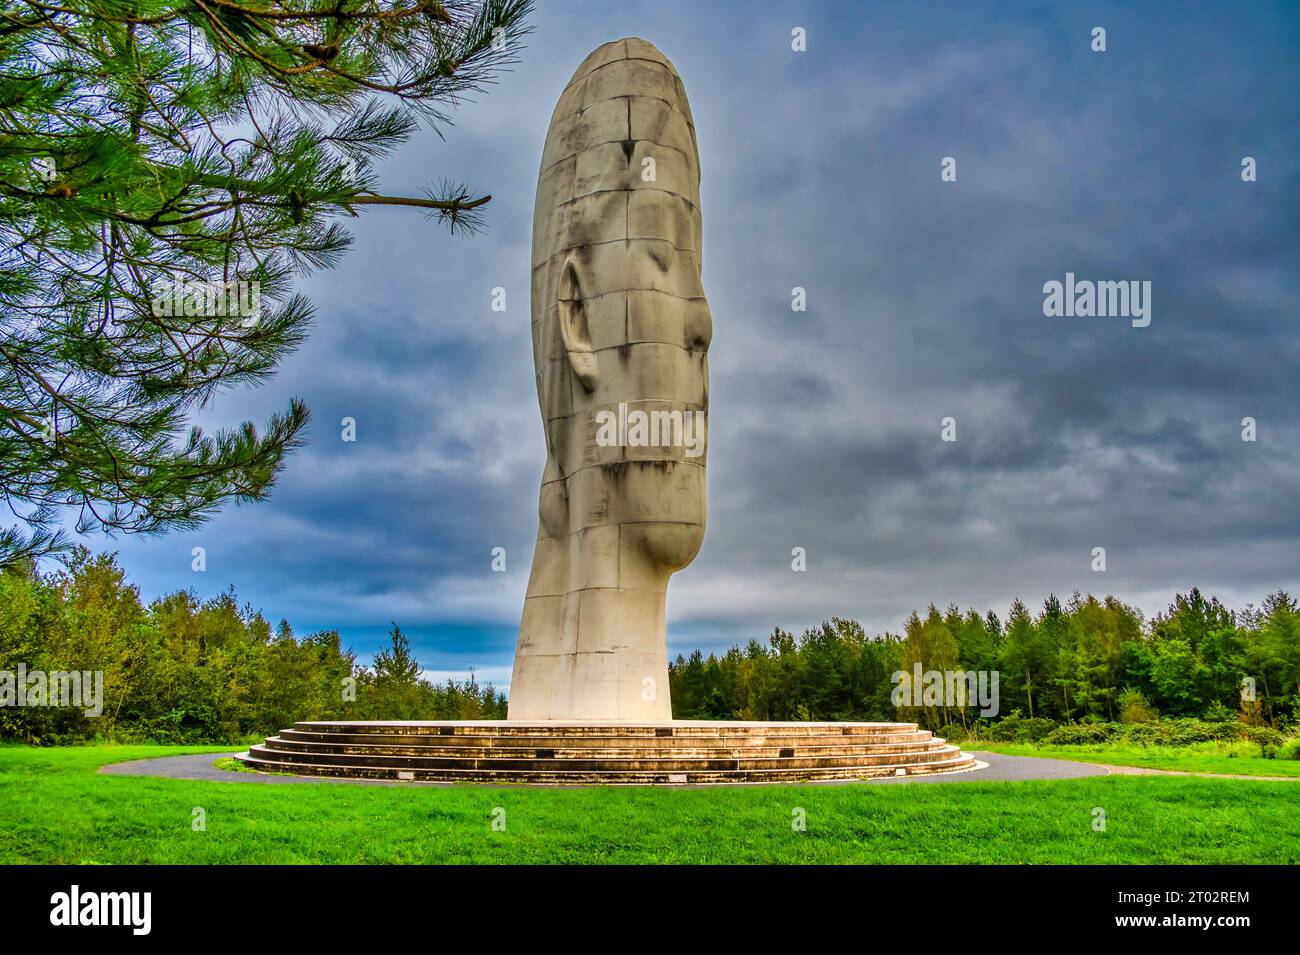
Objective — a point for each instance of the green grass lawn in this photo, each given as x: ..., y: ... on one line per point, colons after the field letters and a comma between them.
x: 1238, y: 758
x: 54, y: 808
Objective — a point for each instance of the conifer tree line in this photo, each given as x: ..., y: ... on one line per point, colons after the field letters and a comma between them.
x: 182, y: 669
x: 185, y: 670
x: 1086, y: 661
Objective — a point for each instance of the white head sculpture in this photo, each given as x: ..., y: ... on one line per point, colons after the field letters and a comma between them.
x: 620, y: 335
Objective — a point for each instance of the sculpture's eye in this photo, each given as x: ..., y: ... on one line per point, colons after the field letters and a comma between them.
x: 661, y: 253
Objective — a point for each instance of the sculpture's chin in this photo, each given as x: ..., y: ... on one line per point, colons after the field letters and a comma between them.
x: 672, y: 546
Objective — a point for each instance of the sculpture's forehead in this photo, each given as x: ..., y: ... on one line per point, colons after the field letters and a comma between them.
x: 622, y: 125
x: 628, y: 48
x: 621, y: 70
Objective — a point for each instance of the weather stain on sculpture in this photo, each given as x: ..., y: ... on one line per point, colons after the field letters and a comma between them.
x: 619, y: 330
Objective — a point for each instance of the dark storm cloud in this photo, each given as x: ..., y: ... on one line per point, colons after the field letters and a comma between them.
x: 821, y: 170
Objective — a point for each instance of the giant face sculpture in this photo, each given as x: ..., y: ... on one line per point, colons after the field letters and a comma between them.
x: 620, y: 333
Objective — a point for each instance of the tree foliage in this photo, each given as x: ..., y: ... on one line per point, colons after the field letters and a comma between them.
x: 1087, y: 660
x: 167, y: 168
x: 186, y: 670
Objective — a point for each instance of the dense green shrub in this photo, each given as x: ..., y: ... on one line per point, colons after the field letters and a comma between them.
x: 1134, y: 708
x: 1185, y: 731
x: 1142, y: 734
x: 954, y: 732
x: 1005, y: 730
x: 1266, y: 738
x: 1216, y: 712
x: 1290, y: 748
x: 1179, y: 732
x: 1036, y: 729
x: 1080, y: 734
x: 1016, y: 729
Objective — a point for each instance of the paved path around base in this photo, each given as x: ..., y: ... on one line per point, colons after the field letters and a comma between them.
x: 994, y: 768
x: 1147, y: 771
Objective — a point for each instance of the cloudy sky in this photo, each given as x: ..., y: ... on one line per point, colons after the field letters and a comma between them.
x: 821, y: 169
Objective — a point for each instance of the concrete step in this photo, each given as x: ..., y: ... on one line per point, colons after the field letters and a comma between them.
x: 602, y: 763
x: 675, y: 743
x: 576, y: 753
x: 562, y: 729
x: 547, y: 776
x: 621, y: 751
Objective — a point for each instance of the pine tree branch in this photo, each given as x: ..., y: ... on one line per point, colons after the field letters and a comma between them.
x: 447, y: 205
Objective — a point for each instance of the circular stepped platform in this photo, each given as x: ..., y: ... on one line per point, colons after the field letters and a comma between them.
x: 558, y: 753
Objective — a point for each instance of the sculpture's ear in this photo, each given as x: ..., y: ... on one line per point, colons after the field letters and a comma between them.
x: 574, y: 330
